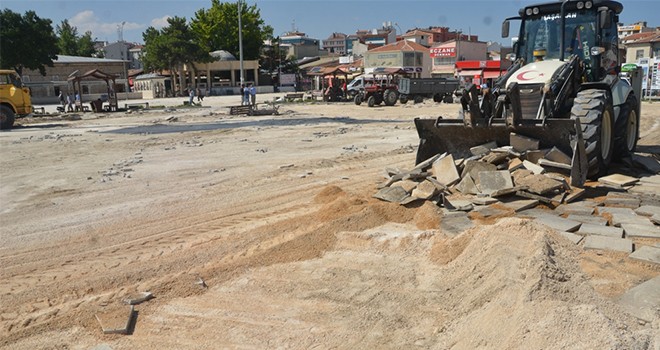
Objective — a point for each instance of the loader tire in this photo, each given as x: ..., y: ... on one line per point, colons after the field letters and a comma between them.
x: 357, y: 99
x: 403, y: 99
x: 594, y: 110
x: 371, y: 101
x: 390, y: 96
x: 6, y: 117
x: 626, y: 129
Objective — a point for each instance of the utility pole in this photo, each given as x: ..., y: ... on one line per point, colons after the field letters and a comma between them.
x: 240, y: 41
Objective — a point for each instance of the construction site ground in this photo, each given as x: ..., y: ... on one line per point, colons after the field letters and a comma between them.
x: 257, y: 232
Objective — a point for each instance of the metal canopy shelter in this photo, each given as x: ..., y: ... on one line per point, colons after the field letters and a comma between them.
x: 97, y: 74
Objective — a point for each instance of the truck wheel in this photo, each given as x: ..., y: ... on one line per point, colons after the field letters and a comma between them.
x: 594, y: 110
x: 626, y: 129
x: 6, y: 117
x: 437, y: 98
x: 418, y: 99
x: 448, y: 99
x: 371, y: 101
x: 390, y: 97
x: 403, y: 99
x: 357, y: 99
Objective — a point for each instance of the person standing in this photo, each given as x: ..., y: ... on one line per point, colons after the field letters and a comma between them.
x: 246, y: 96
x: 253, y: 94
x: 191, y: 93
x: 69, y: 103
x: 60, y: 97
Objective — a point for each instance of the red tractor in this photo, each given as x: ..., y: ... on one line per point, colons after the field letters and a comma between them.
x: 377, y: 91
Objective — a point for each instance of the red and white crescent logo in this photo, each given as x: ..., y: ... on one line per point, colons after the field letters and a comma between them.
x: 528, y: 75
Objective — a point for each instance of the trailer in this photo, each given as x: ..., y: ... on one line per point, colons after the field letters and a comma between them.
x: 416, y: 89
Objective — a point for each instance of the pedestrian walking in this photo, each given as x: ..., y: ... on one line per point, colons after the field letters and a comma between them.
x: 69, y: 103
x: 200, y: 95
x: 60, y: 97
x: 246, y: 96
x: 191, y: 93
x: 253, y: 94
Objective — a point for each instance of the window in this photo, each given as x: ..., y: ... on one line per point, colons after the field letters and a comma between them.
x: 639, y: 54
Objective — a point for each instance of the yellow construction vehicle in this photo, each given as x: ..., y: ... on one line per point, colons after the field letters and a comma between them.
x: 15, y: 98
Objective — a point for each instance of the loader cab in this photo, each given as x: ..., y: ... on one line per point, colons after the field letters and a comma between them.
x: 562, y: 29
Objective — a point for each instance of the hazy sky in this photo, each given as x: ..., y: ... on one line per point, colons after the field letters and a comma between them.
x: 316, y: 18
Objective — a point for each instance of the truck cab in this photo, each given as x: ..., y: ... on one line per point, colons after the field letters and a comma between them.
x: 14, y: 98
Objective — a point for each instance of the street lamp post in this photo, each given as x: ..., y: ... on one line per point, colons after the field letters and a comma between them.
x: 240, y: 42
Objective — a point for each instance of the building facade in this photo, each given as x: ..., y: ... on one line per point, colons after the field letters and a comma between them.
x: 335, y: 44
x: 444, y: 56
x: 407, y: 55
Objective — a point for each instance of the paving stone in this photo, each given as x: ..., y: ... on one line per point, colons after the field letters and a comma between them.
x: 425, y: 164
x: 572, y: 237
x: 558, y: 223
x: 522, y: 143
x: 445, y: 171
x: 454, y: 225
x: 515, y: 163
x: 425, y: 190
x: 641, y: 230
x: 653, y: 179
x: 394, y: 178
x: 483, y: 149
x: 600, y: 230
x: 533, y: 167
x: 392, y: 194
x: 488, y: 211
x: 467, y: 186
x: 407, y: 185
x: 588, y: 219
x: 507, y: 191
x: 521, y: 204
x: 645, y: 188
x: 648, y: 210
x: 581, y: 208
x: 648, y: 163
x: 608, y: 243
x: 555, y: 155
x: 647, y: 254
x: 438, y: 185
x: 534, y: 156
x: 117, y: 322
x: 642, y: 301
x: 491, y: 181
x: 483, y: 200
x: 456, y: 204
x: 550, y: 164
x: 656, y: 219
x: 495, y: 158
x: 539, y: 184
x: 620, y: 215
x: 474, y: 167
x: 574, y: 194
x: 615, y: 199
x: 618, y: 180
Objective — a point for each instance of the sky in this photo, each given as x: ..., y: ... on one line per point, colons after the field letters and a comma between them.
x: 317, y: 18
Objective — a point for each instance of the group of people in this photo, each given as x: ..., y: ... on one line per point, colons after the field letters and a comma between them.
x: 195, y: 92
x: 68, y: 100
x: 248, y: 95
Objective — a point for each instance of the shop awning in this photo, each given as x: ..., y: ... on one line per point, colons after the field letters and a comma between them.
x: 443, y: 69
x: 469, y: 72
x: 491, y: 74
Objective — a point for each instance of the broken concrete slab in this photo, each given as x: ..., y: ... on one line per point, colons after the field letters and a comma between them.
x: 391, y: 194
x: 534, y: 156
x: 407, y: 185
x: 117, y: 322
x: 615, y: 199
x: 474, y: 167
x: 138, y: 299
x: 588, y: 219
x: 492, y: 181
x: 647, y: 254
x: 507, y: 191
x: 444, y: 170
x: 455, y: 224
x: 533, y: 167
x: 539, y: 184
x: 515, y: 163
x: 392, y: 179
x: 483, y: 200
x: 522, y: 143
x: 557, y: 156
x: 437, y: 184
x: 483, y: 149
x: 596, y: 242
x: 467, y: 186
x: 572, y: 237
x: 522, y: 204
x: 648, y: 210
x: 641, y: 301
x: 427, y: 163
x: 574, y: 194
x: 600, y: 230
x: 558, y: 223
x: 581, y: 208
x: 550, y: 164
x: 641, y: 230
x: 425, y: 190
x: 488, y: 211
x: 618, y: 180
x: 619, y: 215
x: 456, y: 204
x: 542, y: 199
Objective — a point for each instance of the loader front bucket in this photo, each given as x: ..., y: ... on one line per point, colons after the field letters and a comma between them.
x: 452, y: 136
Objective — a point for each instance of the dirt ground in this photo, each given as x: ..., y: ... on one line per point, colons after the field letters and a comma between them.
x: 275, y: 215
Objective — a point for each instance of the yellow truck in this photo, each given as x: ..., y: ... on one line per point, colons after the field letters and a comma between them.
x: 14, y: 98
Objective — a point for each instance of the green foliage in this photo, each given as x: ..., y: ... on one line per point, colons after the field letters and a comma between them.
x: 26, y: 41
x: 86, y: 45
x: 70, y: 43
x: 274, y: 60
x: 171, y: 46
x: 217, y: 28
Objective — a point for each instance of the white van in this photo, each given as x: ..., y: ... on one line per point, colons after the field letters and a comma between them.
x: 357, y: 84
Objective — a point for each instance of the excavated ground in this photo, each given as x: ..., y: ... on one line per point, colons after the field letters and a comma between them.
x: 275, y: 214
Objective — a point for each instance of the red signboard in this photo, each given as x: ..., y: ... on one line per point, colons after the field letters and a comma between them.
x: 443, y: 52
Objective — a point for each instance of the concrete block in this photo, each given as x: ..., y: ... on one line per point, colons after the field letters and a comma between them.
x: 445, y: 171
x: 522, y: 143
x: 425, y: 190
x: 539, y: 184
x: 533, y: 167
x: 491, y: 181
x: 572, y: 237
x: 427, y: 163
x: 483, y: 149
x: 608, y: 243
x: 648, y: 210
x: 641, y: 230
x: 467, y: 186
x: 642, y: 301
x: 474, y: 167
x: 391, y: 194
x: 456, y: 224
x: 600, y: 230
x: 521, y: 204
x: 557, y: 156
x: 647, y: 163
x: 618, y: 180
x: 588, y: 219
x: 558, y: 223
x: 117, y: 322
x: 647, y: 254
x: 407, y: 185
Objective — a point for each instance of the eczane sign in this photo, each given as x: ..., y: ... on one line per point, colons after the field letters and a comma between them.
x: 443, y: 51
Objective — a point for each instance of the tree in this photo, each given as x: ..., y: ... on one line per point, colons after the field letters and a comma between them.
x: 70, y: 43
x: 26, y: 41
x: 217, y: 28
x: 86, y: 45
